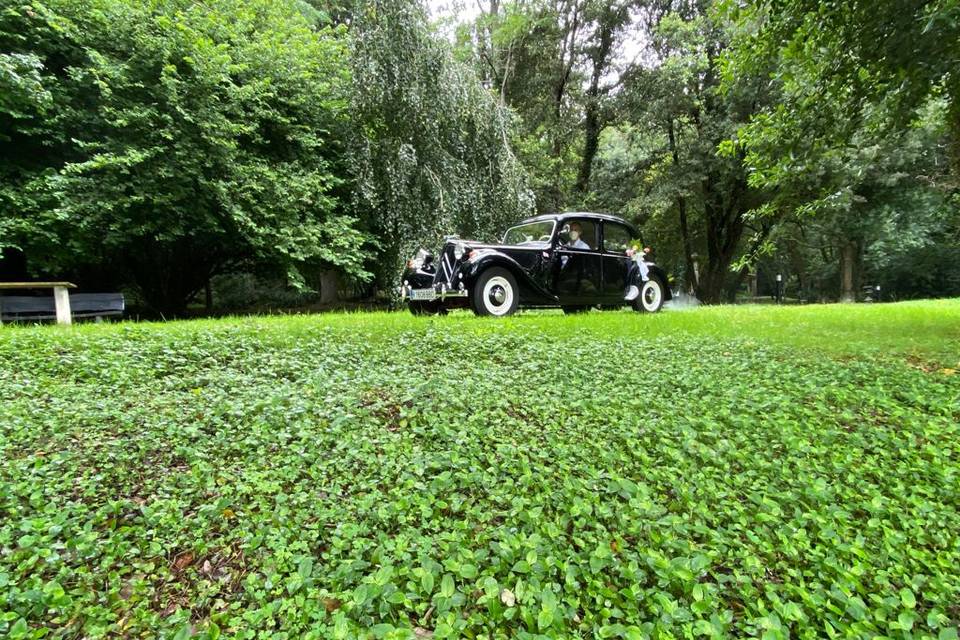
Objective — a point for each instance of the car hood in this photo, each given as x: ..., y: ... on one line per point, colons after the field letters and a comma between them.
x: 505, y: 248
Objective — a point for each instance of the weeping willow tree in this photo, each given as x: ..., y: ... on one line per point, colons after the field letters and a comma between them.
x: 433, y: 156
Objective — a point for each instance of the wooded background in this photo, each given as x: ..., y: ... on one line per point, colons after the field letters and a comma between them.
x: 254, y: 150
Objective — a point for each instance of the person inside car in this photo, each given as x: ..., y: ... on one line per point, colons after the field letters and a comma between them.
x: 576, y: 240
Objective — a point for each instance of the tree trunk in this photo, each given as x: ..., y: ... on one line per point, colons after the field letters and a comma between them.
x: 725, y: 225
x: 953, y: 122
x: 692, y: 277
x: 568, y: 56
x: 169, y: 275
x: 849, y: 254
x: 329, y: 285
x: 592, y: 124
x: 591, y: 134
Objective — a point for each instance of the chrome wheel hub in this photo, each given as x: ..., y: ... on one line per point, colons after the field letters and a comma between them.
x: 498, y: 296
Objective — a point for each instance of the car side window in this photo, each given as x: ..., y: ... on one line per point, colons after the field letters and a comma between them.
x: 578, y: 234
x: 616, y: 238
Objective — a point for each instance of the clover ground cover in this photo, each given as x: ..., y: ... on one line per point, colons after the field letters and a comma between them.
x: 711, y: 473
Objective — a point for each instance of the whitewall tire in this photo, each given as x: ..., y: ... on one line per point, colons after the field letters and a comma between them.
x: 650, y: 299
x: 495, y: 293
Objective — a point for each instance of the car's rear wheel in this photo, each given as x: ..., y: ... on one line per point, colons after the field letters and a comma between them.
x: 573, y: 309
x: 650, y: 299
x: 495, y: 293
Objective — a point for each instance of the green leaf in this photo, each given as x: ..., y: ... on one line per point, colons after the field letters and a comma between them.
x: 361, y: 594
x: 447, y: 587
x: 305, y: 569
x: 703, y: 628
x: 521, y: 566
x: 906, y: 620
x: 184, y: 632
x: 19, y: 629
x: 907, y: 598
x: 548, y: 600
x: 544, y: 619
x: 426, y: 581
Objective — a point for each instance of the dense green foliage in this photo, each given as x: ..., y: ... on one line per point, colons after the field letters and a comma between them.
x: 434, y: 157
x: 858, y: 146
x: 872, y: 62
x: 157, y: 145
x: 178, y: 140
x: 707, y: 473
x: 802, y: 137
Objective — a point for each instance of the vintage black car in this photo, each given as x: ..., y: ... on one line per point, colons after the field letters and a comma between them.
x: 574, y: 261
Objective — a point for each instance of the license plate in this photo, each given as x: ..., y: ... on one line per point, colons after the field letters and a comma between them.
x: 423, y: 294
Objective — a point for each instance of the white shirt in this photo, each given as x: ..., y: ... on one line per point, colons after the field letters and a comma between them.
x: 574, y: 244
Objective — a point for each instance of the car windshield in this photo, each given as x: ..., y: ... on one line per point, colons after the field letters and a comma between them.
x: 541, y: 231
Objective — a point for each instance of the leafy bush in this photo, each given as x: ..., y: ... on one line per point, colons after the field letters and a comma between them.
x: 182, y: 140
x: 384, y: 476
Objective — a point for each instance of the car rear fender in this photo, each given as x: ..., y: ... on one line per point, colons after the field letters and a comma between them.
x: 487, y: 258
x: 655, y: 272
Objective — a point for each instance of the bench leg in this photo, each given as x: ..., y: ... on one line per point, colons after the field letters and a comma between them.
x: 61, y: 298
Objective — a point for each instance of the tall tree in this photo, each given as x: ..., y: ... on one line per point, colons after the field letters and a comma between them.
x: 857, y: 81
x: 694, y: 190
x: 860, y: 205
x: 608, y: 20
x: 855, y: 54
x: 533, y: 53
x: 434, y: 155
x: 180, y: 140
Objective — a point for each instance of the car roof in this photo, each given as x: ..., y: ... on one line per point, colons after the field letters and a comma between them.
x: 579, y: 214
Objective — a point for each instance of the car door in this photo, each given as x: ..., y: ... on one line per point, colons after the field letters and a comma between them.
x: 577, y: 263
x: 615, y: 240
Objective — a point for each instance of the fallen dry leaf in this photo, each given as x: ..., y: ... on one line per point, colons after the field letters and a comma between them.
x: 507, y: 597
x: 331, y: 604
x: 182, y: 561
x: 420, y: 632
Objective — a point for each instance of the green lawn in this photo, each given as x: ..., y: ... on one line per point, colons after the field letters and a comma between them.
x: 732, y: 471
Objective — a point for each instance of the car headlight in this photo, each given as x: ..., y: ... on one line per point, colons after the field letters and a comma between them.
x: 459, y: 249
x: 416, y: 262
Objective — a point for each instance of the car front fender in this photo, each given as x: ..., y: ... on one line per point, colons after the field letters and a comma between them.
x: 418, y: 278
x: 487, y: 258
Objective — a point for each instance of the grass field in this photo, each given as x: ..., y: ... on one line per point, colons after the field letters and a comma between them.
x: 724, y: 472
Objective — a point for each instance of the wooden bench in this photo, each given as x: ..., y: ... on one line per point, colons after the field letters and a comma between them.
x: 62, y: 306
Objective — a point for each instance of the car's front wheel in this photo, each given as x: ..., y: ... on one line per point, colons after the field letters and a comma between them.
x: 650, y: 299
x: 495, y: 293
x: 426, y: 308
